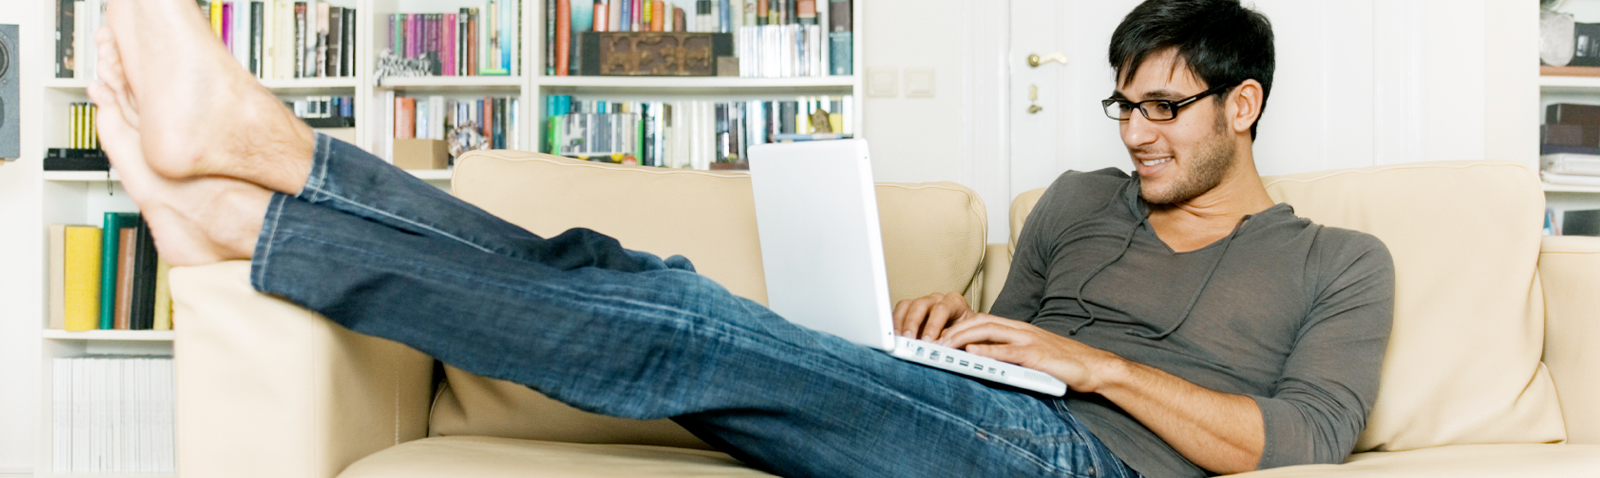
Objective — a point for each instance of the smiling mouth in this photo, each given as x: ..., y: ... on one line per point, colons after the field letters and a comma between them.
x: 1153, y: 162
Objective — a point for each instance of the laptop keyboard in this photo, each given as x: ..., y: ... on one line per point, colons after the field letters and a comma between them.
x: 962, y: 362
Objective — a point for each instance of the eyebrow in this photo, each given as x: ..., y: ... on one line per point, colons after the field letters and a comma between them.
x: 1157, y: 94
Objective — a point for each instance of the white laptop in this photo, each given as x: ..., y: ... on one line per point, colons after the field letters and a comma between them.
x: 817, y: 214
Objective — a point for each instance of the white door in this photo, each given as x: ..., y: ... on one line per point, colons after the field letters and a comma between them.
x: 1323, y: 111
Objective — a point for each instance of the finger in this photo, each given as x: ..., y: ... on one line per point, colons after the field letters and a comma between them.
x: 916, y: 314
x: 939, y: 316
x: 1008, y: 353
x: 900, y: 309
x: 988, y: 332
x: 977, y: 320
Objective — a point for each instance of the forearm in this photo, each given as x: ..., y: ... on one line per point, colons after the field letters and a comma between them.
x: 1221, y: 432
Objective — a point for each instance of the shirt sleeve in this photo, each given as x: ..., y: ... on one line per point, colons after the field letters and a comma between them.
x: 1330, y: 379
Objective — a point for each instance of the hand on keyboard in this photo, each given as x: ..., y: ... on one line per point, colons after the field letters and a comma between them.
x: 1024, y: 344
x: 927, y: 318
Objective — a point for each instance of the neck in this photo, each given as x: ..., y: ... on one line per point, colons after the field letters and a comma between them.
x: 1239, y: 194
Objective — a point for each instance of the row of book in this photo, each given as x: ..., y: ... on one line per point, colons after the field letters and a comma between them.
x: 686, y: 134
x: 325, y: 111
x: 471, y: 42
x: 112, y: 414
x: 772, y: 38
x: 494, y: 119
x: 1569, y: 151
x: 280, y: 39
x: 81, y: 131
x: 76, y: 21
x: 108, y: 278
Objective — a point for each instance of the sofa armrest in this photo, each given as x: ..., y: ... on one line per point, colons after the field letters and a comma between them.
x: 1569, y: 268
x: 268, y: 389
x: 996, y: 264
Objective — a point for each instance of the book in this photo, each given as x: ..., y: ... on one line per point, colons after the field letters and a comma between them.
x: 163, y: 305
x: 335, y: 41
x: 254, y: 53
x: 320, y: 64
x: 1570, y: 134
x: 563, y: 37
x: 66, y: 26
x: 1570, y: 164
x: 79, y: 277
x: 142, y: 301
x: 127, y: 250
x: 840, y: 53
x: 405, y: 119
x: 110, y: 240
x: 1568, y: 113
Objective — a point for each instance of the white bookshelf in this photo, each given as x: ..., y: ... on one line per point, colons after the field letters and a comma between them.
x: 79, y: 197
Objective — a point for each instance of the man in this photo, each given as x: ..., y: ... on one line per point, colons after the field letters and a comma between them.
x: 1201, y: 328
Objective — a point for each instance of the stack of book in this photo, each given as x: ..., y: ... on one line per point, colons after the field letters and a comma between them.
x: 325, y: 111
x: 686, y: 134
x: 281, y: 39
x: 112, y: 415
x: 1569, y: 151
x: 773, y: 38
x: 474, y: 41
x: 441, y: 118
x: 82, y: 129
x: 108, y: 278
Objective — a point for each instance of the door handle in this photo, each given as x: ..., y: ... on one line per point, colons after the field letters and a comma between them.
x: 1035, y: 60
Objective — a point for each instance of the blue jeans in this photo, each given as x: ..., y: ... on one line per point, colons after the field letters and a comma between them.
x: 625, y: 333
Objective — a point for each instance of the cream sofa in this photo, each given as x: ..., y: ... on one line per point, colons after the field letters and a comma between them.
x: 1487, y: 373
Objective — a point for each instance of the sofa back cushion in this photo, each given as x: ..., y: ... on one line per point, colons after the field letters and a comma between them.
x: 933, y: 238
x: 1463, y: 365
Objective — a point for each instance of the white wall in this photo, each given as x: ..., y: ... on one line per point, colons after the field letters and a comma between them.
x: 915, y: 139
x: 21, y: 252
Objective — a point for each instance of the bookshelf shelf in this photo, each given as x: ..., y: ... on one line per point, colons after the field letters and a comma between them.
x: 1569, y: 84
x: 451, y: 82
x: 432, y: 175
x: 698, y: 82
x: 112, y: 335
x: 301, y: 84
x: 1571, y: 188
x: 67, y: 83
x: 81, y: 176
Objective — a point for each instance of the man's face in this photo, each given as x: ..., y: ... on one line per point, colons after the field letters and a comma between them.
x: 1179, y: 159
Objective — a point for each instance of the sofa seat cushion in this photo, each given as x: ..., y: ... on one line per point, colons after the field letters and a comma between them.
x: 1456, y: 461
x: 490, y: 457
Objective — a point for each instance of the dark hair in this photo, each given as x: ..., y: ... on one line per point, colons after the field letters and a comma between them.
x: 1221, y: 42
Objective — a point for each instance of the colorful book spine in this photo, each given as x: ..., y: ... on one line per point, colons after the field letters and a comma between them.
x: 80, y: 277
x: 127, y: 250
x: 563, y: 37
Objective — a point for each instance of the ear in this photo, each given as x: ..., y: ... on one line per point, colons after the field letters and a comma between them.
x: 1244, y: 106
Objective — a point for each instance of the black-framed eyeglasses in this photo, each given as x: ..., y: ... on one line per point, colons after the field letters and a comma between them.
x: 1154, y: 110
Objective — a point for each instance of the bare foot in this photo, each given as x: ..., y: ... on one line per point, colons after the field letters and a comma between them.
x: 195, y: 221
x: 198, y: 112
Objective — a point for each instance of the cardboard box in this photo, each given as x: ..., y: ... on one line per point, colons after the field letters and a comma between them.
x: 421, y: 154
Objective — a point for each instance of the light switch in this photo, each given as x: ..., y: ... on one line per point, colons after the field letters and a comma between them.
x: 883, y: 82
x: 919, y: 82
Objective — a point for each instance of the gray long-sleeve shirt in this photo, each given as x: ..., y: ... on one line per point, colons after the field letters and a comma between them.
x: 1290, y: 313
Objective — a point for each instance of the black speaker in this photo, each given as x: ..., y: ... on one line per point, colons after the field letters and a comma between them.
x: 10, y: 91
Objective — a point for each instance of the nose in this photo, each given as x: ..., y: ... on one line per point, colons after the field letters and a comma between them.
x: 1138, y: 131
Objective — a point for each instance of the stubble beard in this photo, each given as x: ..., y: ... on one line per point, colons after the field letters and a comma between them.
x: 1206, y: 171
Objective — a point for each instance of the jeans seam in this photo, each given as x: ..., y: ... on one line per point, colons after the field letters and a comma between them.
x: 274, y: 213
x: 354, y: 203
